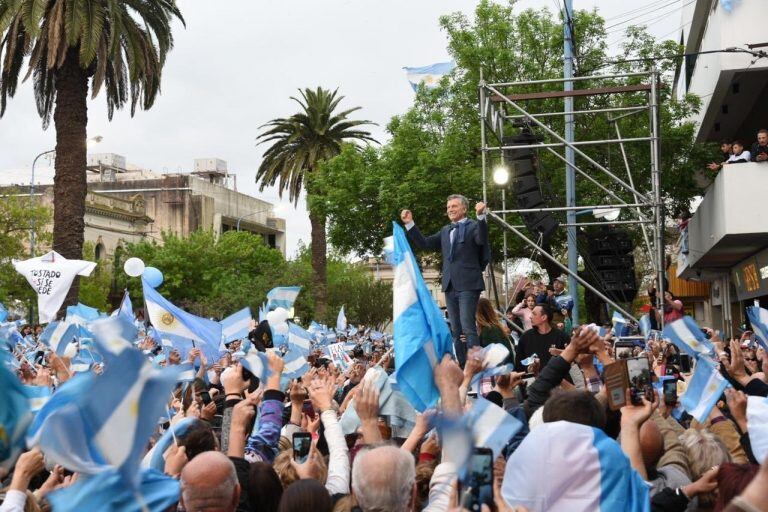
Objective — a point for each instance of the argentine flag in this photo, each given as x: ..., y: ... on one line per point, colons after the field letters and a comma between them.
x: 38, y: 396
x: 757, y: 425
x: 169, y: 319
x: 491, y: 425
x: 14, y: 414
x: 566, y: 467
x: 619, y: 324
x: 257, y: 363
x: 758, y: 318
x: 420, y: 333
x: 686, y: 334
x: 282, y: 297
x: 114, y: 334
x: 430, y: 75
x: 237, y: 325
x: 299, y: 340
x: 3, y: 313
x: 645, y: 326
x: 57, y: 335
x: 341, y: 321
x: 703, y: 390
x: 126, y: 308
x: 81, y: 314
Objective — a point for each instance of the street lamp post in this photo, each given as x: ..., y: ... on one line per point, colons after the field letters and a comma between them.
x: 32, y: 199
x: 501, y: 178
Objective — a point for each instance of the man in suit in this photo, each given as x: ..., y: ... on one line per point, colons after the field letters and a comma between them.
x: 464, y: 246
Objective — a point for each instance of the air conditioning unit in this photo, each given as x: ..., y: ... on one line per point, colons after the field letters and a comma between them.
x: 210, y: 165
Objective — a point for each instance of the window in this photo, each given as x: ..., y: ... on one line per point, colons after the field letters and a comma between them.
x: 100, y: 252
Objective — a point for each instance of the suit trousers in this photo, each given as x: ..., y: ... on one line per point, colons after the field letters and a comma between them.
x: 462, y: 311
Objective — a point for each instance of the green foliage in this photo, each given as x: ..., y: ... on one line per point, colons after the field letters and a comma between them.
x: 123, y: 46
x: 207, y: 276
x: 215, y: 278
x: 435, y: 146
x: 16, y: 218
x: 94, y: 289
x: 365, y: 300
x: 298, y: 144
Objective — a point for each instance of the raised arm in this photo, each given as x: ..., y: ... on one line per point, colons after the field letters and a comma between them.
x: 431, y: 242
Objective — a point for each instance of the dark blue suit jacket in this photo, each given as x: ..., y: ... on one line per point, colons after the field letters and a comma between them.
x: 464, y: 270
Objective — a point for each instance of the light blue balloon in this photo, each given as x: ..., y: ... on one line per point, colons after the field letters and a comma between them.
x: 152, y: 276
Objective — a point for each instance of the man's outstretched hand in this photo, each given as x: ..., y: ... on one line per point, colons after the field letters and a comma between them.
x: 406, y: 216
x: 480, y: 208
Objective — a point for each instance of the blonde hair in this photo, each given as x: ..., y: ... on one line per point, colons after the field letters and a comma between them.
x: 286, y: 472
x: 704, y: 451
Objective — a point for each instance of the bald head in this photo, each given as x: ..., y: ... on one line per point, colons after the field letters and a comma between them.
x: 383, y: 479
x: 651, y: 444
x: 209, y: 484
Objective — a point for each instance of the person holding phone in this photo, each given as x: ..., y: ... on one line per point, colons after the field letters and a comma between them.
x: 539, y: 339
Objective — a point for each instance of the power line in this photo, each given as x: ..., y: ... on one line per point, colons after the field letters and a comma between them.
x: 757, y: 54
x: 638, y: 9
x: 666, y: 13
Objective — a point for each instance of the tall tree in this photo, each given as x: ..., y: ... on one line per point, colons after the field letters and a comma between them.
x: 71, y: 46
x: 299, y: 144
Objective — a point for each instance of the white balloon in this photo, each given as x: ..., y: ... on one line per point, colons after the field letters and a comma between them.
x: 272, y: 318
x: 282, y: 314
x: 134, y: 267
x: 281, y: 328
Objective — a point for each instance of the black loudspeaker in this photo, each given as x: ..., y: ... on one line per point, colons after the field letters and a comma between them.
x: 610, y: 255
x: 526, y: 188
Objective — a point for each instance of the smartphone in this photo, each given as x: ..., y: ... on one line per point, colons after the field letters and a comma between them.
x: 669, y: 387
x: 685, y: 363
x: 205, y: 397
x: 623, y: 349
x: 301, y: 444
x: 639, y: 374
x: 479, y: 484
x: 706, y: 333
x: 306, y: 408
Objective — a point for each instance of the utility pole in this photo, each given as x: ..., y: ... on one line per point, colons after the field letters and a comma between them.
x: 570, y: 157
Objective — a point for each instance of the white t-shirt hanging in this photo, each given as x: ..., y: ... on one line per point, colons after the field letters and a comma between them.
x: 51, y: 275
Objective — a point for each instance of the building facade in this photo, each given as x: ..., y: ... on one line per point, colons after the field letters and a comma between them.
x: 727, y: 236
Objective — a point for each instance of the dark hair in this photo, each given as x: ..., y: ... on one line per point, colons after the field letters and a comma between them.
x: 762, y: 130
x: 550, y: 287
x: 264, y: 487
x: 486, y: 316
x: 739, y: 142
x: 198, y: 439
x: 732, y: 479
x: 725, y: 142
x: 545, y: 310
x: 574, y: 406
x: 307, y: 495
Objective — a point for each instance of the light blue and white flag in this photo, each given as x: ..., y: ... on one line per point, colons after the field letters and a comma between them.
x: 619, y: 324
x: 421, y: 335
x: 186, y: 372
x: 686, y: 334
x: 81, y: 314
x: 296, y: 364
x: 38, y: 396
x: 114, y: 334
x: 704, y: 390
x: 563, y: 466
x: 757, y: 425
x: 237, y: 325
x: 645, y: 326
x: 169, y: 319
x: 430, y: 75
x: 263, y: 312
x: 528, y: 361
x: 299, y: 339
x: 758, y: 318
x: 282, y: 297
x: 57, y: 335
x: 257, y: 363
x: 341, y: 321
x: 491, y: 425
x: 3, y: 312
x: 15, y: 415
x: 126, y: 308
x: 109, y: 491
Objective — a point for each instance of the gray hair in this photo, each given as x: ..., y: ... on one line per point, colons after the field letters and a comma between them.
x: 461, y: 198
x: 383, y: 479
x: 704, y: 450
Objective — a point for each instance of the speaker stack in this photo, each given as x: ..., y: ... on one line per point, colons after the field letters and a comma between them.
x: 525, y: 183
x: 610, y: 255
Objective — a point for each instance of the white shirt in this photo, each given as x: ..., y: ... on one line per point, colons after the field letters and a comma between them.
x: 479, y: 217
x: 51, y: 275
x: 744, y: 155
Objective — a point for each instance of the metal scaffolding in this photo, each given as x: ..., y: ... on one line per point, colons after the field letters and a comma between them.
x: 502, y: 107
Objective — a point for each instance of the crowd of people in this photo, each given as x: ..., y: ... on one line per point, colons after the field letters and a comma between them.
x: 736, y: 152
x: 244, y: 444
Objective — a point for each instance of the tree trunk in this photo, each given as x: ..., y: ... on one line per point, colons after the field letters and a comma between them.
x: 70, y: 118
x: 319, y: 262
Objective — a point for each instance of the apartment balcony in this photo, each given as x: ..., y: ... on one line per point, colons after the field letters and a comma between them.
x: 730, y: 224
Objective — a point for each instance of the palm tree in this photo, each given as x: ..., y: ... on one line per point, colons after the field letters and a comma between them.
x: 72, y: 45
x: 298, y: 145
